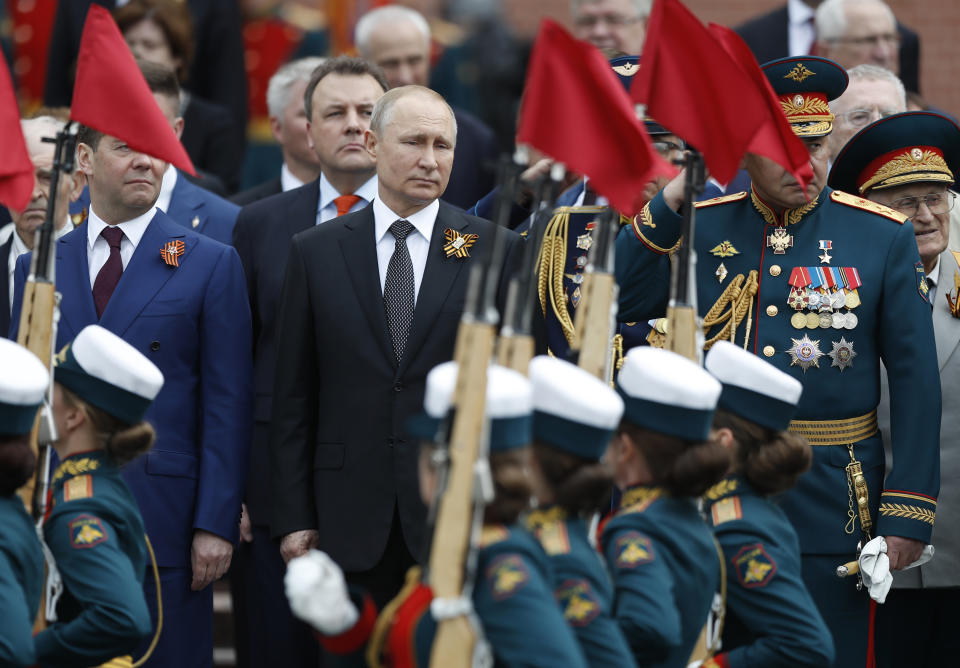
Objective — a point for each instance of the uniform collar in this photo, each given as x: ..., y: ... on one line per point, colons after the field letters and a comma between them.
x: 542, y: 517
x: 640, y: 495
x: 731, y: 485
x: 80, y: 463
x: 789, y: 216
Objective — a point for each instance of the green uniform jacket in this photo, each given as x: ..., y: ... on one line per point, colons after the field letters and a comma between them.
x: 874, y: 247
x: 96, y: 535
x: 21, y: 582
x: 665, y: 571
x: 771, y: 622
x: 581, y: 585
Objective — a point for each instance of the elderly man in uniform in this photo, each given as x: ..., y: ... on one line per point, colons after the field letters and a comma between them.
x: 873, y: 93
x: 824, y: 285
x: 611, y: 24
x: 908, y: 162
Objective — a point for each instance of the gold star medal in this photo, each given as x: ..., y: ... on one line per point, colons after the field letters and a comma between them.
x: 458, y: 245
x: 805, y: 353
x: 842, y: 353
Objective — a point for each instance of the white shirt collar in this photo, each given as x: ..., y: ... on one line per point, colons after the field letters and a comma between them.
x: 166, y: 188
x: 132, y: 229
x: 368, y: 191
x: 423, y: 220
x: 18, y: 247
x: 288, y: 181
x: 934, y: 275
x: 799, y: 12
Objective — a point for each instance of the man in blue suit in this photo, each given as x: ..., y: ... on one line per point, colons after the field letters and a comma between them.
x: 180, y: 299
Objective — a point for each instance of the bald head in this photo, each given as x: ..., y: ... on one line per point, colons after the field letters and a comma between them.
x: 398, y: 40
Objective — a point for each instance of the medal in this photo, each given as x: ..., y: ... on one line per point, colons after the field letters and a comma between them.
x: 721, y: 273
x: 582, y: 261
x: 813, y: 299
x: 851, y: 320
x: 805, y: 353
x: 839, y: 320
x: 779, y: 240
x: 813, y: 320
x: 842, y: 353
x: 798, y: 320
x: 797, y: 299
x: 456, y: 244
x: 837, y: 300
x: 575, y: 297
x: 584, y: 241
x: 825, y: 245
x: 852, y: 299
x: 826, y: 320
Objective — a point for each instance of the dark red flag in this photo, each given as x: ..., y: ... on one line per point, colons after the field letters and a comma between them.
x: 693, y: 88
x: 111, y: 95
x: 16, y: 169
x: 774, y: 139
x: 577, y: 112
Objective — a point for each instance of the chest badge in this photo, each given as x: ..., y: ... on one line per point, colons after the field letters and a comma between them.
x: 805, y: 353
x: 171, y: 251
x: 826, y: 246
x: 724, y: 249
x: 779, y: 240
x: 457, y: 244
x: 721, y: 273
x: 842, y: 353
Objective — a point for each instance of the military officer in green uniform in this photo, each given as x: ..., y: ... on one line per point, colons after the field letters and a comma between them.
x: 102, y: 389
x: 23, y: 385
x: 575, y: 415
x: 771, y: 620
x: 662, y: 556
x: 824, y: 285
x: 513, y: 593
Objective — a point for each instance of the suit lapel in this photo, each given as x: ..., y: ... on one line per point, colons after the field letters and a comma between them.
x: 74, y: 269
x: 145, y: 274
x: 439, y: 275
x: 359, y: 249
x: 946, y: 328
x: 186, y: 205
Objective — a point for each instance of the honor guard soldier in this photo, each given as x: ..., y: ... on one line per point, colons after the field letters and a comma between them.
x: 103, y: 386
x: 771, y: 621
x: 513, y: 595
x: 575, y: 416
x: 823, y: 284
x: 23, y: 384
x: 908, y: 162
x: 662, y: 556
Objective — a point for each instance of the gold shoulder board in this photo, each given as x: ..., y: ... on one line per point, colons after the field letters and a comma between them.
x: 867, y: 205
x: 493, y: 534
x: 735, y: 197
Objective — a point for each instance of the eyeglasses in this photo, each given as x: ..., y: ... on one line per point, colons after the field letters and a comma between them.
x: 861, y: 117
x: 613, y: 20
x: 665, y: 148
x: 937, y: 203
x: 889, y: 39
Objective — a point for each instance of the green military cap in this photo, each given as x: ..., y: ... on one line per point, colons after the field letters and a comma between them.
x: 913, y: 147
x: 805, y: 85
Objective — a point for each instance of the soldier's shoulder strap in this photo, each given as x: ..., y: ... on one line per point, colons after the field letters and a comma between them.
x: 723, y: 199
x: 866, y: 205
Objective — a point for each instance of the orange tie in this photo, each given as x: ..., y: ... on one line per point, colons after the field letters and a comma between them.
x: 345, y: 202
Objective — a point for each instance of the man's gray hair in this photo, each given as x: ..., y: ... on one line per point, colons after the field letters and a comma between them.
x: 870, y: 72
x: 642, y: 6
x: 389, y: 15
x: 49, y: 124
x: 831, y: 20
x: 282, y: 81
x: 384, y: 107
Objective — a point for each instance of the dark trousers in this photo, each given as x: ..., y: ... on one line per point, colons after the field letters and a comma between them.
x: 186, y: 640
x: 266, y: 634
x: 383, y: 581
x: 919, y: 628
x: 845, y: 610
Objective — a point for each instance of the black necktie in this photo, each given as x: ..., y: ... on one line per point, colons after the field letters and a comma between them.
x: 399, y: 295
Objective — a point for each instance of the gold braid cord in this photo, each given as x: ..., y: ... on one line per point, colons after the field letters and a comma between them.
x: 553, y: 258
x: 738, y: 296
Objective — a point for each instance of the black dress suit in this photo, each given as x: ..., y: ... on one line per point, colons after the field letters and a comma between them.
x: 5, y: 285
x: 342, y: 461
x: 216, y: 74
x: 210, y: 140
x: 258, y: 192
x: 474, y: 162
x: 768, y: 37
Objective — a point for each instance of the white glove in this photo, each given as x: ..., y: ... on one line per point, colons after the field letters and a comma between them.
x: 318, y: 593
x: 875, y: 567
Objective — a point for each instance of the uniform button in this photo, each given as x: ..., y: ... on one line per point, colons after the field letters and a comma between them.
x: 772, y: 310
x: 397, y: 387
x: 774, y: 269
x: 155, y: 346
x: 768, y: 351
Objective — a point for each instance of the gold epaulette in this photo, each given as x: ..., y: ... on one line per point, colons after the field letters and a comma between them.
x: 550, y: 529
x: 722, y: 488
x: 493, y: 534
x: 867, y: 205
x: 638, y: 499
x: 75, y: 467
x: 723, y: 199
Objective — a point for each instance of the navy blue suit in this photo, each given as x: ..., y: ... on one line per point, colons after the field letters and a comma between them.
x: 5, y: 285
x: 193, y: 322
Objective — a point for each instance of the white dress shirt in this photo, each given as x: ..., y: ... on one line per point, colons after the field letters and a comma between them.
x: 801, y: 33
x: 287, y: 179
x: 418, y: 241
x: 18, y: 248
x: 98, y: 250
x: 601, y: 200
x: 166, y: 188
x: 327, y: 210
x: 933, y: 278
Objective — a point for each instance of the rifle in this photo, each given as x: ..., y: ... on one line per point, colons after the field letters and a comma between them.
x: 683, y: 330
x: 596, y: 316
x: 515, y: 347
x: 468, y: 486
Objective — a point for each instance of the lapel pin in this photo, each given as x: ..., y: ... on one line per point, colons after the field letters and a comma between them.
x: 458, y: 245
x: 171, y: 252
x: 195, y: 222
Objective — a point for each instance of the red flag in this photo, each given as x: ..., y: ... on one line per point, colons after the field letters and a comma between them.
x: 693, y: 88
x: 16, y: 168
x: 576, y: 111
x: 775, y: 139
x: 111, y: 95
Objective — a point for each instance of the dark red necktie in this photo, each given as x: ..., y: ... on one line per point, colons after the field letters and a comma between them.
x: 110, y: 273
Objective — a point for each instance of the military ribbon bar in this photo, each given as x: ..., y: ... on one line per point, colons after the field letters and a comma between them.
x: 852, y: 276
x: 800, y: 277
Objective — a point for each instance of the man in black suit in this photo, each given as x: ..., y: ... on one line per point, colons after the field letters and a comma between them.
x: 790, y: 31
x: 397, y: 39
x: 371, y: 302
x: 288, y: 123
x: 342, y: 93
